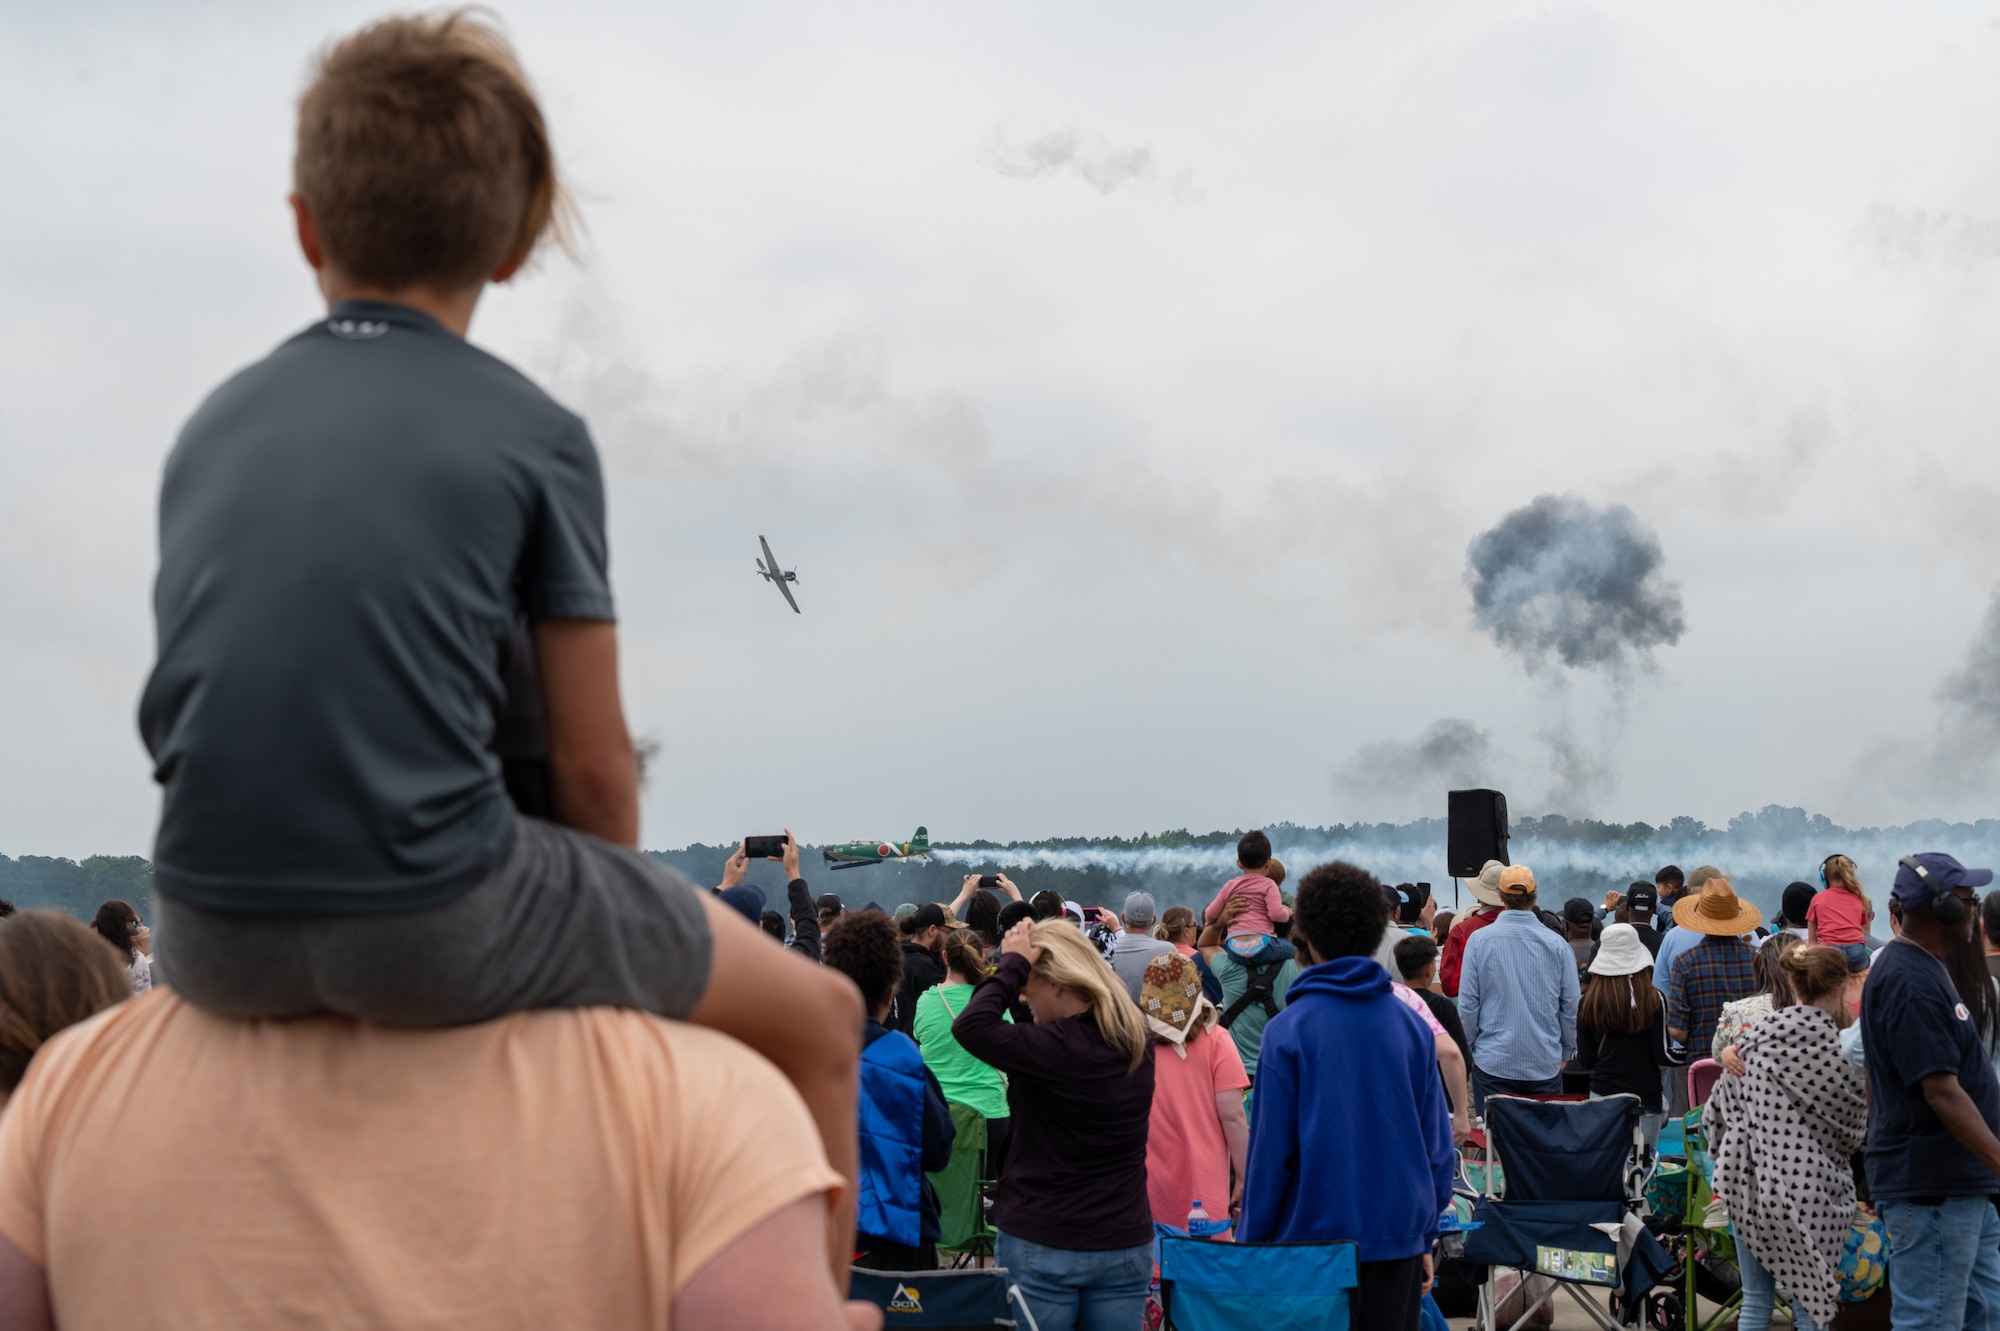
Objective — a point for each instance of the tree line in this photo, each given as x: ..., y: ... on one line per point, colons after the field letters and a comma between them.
x: 79, y: 888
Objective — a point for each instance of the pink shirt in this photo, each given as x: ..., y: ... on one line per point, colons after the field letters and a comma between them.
x: 1408, y: 998
x: 1186, y: 1154
x: 1267, y: 909
x: 1839, y: 917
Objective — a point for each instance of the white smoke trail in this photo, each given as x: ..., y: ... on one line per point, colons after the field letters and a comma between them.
x: 1759, y: 866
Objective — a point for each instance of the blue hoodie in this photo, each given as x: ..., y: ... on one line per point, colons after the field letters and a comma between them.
x: 1350, y: 1134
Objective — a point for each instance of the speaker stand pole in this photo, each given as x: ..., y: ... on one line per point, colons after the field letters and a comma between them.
x: 1454, y: 894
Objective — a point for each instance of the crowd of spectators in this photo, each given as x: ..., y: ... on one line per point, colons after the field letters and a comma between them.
x: 1335, y: 1057
x: 1245, y: 1088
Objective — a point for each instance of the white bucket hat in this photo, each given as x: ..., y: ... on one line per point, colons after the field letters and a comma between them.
x: 1619, y: 952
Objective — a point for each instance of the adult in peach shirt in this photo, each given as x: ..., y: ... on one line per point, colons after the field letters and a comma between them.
x: 577, y: 1167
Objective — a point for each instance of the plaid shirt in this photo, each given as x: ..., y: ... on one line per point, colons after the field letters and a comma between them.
x: 1715, y: 971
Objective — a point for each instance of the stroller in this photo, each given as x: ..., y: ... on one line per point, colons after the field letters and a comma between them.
x: 1568, y: 1212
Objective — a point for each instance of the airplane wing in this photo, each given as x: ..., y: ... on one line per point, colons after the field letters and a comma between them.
x: 785, y: 587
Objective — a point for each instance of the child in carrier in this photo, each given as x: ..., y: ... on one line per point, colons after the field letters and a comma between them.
x: 1264, y: 911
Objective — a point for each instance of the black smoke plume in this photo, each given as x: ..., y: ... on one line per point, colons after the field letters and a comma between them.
x: 1972, y: 695
x: 1398, y: 776
x: 1562, y: 579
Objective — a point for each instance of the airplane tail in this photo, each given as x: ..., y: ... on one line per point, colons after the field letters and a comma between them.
x: 921, y: 842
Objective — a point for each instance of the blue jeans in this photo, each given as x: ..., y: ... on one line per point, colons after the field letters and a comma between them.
x: 1070, y: 1290
x: 1485, y: 1084
x: 1760, y: 1293
x: 1944, y: 1264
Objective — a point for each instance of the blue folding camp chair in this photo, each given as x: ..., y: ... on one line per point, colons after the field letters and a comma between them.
x: 961, y: 1300
x: 1210, y: 1286
x: 1575, y: 1175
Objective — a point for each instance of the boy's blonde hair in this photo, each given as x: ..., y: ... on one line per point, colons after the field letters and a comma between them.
x: 422, y: 155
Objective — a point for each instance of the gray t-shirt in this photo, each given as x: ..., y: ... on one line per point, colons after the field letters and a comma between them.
x: 347, y: 530
x: 1130, y: 956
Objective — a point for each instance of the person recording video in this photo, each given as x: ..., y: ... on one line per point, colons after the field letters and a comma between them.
x: 804, y: 913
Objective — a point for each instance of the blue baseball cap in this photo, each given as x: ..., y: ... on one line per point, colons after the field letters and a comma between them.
x: 747, y: 900
x: 1942, y: 873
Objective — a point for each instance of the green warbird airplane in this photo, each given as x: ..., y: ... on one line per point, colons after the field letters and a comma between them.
x: 857, y: 853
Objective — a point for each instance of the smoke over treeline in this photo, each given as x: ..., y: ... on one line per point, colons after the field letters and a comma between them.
x: 1762, y: 852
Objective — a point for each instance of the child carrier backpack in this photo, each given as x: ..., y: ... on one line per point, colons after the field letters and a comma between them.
x: 1260, y: 988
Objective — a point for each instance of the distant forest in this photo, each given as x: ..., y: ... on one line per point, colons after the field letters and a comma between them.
x: 37, y: 880
x: 1762, y: 851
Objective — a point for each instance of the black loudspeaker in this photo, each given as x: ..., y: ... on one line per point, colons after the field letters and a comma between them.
x: 1478, y: 832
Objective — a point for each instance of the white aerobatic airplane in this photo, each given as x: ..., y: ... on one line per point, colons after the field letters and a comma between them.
x: 768, y: 570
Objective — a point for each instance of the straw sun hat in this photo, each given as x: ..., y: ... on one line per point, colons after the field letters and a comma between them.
x: 1717, y: 910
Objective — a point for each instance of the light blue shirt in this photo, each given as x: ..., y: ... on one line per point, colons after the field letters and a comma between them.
x: 1673, y: 943
x: 1517, y: 996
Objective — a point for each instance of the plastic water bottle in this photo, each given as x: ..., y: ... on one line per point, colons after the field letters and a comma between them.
x: 1199, y: 1226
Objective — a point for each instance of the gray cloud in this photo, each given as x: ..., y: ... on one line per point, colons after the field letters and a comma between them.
x: 1957, y: 760
x: 1971, y: 695
x: 1451, y: 753
x: 1064, y: 151
x: 1959, y: 757
x: 1900, y: 237
x: 1560, y: 578
x: 1581, y: 772
x: 1033, y: 390
x: 830, y: 414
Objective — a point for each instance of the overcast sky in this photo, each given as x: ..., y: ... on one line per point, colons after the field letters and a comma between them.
x: 1127, y: 384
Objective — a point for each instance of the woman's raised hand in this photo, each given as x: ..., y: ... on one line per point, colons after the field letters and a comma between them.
x: 1020, y: 940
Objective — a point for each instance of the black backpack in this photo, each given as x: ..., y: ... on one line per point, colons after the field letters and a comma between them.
x: 1261, y: 988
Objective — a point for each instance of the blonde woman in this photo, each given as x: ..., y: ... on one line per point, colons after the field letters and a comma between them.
x: 1075, y: 1221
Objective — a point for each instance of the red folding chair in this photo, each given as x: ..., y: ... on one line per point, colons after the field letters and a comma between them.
x: 1703, y: 1073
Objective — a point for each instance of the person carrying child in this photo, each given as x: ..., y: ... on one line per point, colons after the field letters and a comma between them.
x: 351, y: 530
x: 1265, y: 911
